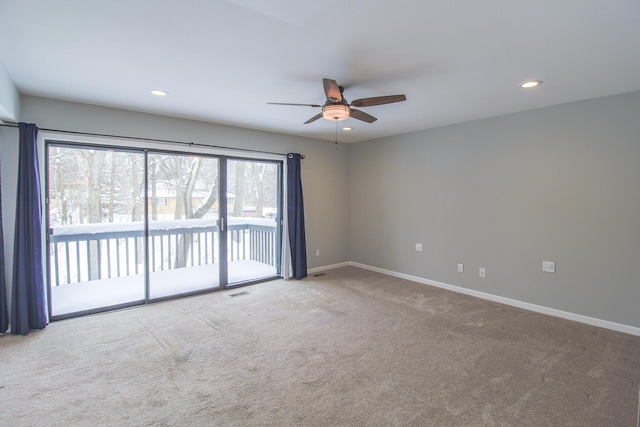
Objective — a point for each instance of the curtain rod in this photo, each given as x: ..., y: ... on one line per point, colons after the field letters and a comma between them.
x: 169, y: 141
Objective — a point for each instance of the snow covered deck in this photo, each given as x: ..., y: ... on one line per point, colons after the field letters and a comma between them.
x: 102, y: 265
x: 88, y: 295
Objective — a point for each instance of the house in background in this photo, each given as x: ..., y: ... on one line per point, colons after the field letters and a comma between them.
x: 503, y: 181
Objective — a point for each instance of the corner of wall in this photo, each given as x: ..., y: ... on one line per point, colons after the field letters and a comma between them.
x: 9, y: 97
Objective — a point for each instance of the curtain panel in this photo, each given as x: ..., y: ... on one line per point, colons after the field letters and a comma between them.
x: 295, y: 217
x: 28, y: 302
x: 4, y: 314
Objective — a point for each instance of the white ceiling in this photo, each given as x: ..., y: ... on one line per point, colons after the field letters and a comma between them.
x: 223, y: 60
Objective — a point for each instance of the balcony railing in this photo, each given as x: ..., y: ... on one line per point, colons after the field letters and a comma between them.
x: 99, y: 251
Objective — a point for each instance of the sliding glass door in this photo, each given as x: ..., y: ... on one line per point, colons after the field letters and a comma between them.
x: 253, y: 217
x: 183, y: 194
x: 97, y: 251
x: 129, y: 226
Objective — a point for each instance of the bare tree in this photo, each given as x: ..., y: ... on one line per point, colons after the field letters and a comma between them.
x: 153, y: 181
x: 240, y: 189
x: 257, y: 176
x: 180, y: 196
x: 94, y: 161
x: 185, y: 240
x: 112, y: 186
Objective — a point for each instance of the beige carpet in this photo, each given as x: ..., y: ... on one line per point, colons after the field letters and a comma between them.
x: 350, y: 348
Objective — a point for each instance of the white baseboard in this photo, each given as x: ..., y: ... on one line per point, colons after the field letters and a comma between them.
x: 619, y: 327
x: 329, y: 267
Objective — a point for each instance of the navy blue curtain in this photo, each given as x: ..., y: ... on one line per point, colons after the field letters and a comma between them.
x: 4, y: 315
x: 295, y: 213
x: 28, y: 305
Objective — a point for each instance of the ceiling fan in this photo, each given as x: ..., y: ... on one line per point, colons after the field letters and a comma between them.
x: 337, y: 108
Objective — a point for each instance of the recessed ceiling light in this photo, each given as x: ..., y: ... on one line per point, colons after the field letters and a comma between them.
x: 158, y: 92
x: 346, y: 128
x: 530, y: 84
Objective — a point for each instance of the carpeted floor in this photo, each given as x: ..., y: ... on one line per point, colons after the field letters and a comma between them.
x: 350, y: 348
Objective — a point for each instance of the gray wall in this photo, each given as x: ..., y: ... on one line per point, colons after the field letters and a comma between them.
x: 559, y: 184
x: 9, y: 97
x: 9, y: 167
x: 324, y: 170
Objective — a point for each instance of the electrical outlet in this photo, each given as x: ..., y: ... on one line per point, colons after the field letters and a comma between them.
x: 418, y: 247
x: 548, y: 266
x: 317, y: 251
x: 460, y: 267
x: 482, y: 272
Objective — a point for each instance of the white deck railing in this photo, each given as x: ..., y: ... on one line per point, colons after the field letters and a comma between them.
x: 87, y: 252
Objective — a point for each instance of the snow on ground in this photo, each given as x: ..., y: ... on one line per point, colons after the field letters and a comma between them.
x: 93, y: 294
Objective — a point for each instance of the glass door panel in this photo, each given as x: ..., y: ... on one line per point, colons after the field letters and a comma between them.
x: 183, y: 200
x: 95, y: 228
x: 253, y: 236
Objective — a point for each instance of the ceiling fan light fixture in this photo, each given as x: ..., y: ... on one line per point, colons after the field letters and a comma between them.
x: 336, y: 112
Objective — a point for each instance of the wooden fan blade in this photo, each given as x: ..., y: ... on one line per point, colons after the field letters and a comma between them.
x: 378, y: 100
x: 295, y: 105
x: 332, y: 90
x: 314, y: 118
x: 361, y: 115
